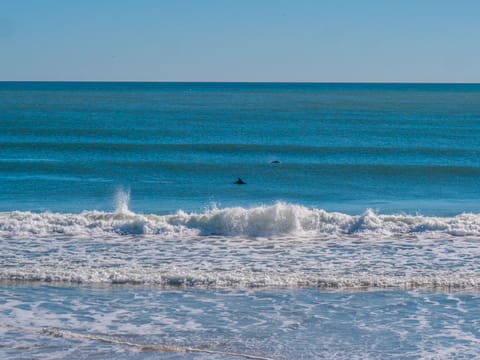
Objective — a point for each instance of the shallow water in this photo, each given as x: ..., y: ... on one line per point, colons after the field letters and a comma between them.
x: 142, y: 322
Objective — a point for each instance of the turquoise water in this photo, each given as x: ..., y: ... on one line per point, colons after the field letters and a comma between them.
x: 69, y: 146
x: 123, y: 233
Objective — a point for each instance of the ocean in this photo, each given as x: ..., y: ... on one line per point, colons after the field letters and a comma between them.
x: 124, y: 235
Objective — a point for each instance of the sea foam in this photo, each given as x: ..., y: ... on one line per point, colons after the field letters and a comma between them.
x: 279, y: 219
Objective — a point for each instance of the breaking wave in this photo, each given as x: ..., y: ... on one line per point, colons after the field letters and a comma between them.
x: 233, y: 279
x: 279, y: 219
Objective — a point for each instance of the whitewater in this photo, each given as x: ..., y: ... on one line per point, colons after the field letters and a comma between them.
x: 280, y: 219
x: 282, y: 245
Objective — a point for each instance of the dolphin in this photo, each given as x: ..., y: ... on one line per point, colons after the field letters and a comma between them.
x: 240, y: 182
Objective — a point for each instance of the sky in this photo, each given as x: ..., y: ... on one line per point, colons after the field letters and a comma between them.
x: 240, y: 40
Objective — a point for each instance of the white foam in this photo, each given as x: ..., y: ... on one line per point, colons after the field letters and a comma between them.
x: 280, y: 219
x: 282, y: 245
x: 240, y: 279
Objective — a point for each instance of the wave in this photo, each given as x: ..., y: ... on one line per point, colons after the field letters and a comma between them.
x: 235, y: 279
x: 121, y: 144
x: 279, y: 219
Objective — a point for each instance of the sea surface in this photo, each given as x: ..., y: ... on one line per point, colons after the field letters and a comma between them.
x: 124, y: 235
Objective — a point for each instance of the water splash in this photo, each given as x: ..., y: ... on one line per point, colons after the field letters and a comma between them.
x: 122, y: 200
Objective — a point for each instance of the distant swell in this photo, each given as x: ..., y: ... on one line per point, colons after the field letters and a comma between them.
x: 280, y: 219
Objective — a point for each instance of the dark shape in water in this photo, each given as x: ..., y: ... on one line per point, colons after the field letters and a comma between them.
x: 240, y: 182
x: 275, y: 162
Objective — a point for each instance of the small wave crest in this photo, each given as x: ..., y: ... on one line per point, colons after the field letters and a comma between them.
x: 241, y: 279
x: 279, y: 219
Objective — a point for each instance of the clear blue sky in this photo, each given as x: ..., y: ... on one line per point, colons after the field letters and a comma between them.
x: 241, y: 40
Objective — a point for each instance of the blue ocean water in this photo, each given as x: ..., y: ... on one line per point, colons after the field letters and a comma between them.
x: 123, y: 234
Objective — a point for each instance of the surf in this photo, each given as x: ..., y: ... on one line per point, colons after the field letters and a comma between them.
x: 278, y: 219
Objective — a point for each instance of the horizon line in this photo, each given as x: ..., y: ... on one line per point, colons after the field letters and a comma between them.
x: 243, y: 82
